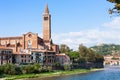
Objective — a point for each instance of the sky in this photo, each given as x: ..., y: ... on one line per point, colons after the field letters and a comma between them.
x: 74, y: 22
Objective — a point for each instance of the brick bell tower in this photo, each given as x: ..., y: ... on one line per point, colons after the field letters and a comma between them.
x: 46, y: 25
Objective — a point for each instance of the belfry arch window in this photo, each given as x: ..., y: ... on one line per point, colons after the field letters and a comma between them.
x: 29, y: 44
x: 45, y: 18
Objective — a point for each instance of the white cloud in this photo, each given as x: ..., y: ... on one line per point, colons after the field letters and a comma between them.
x: 87, y: 37
x: 115, y: 23
x: 92, y: 36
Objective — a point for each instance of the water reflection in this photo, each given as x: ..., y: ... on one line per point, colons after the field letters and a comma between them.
x: 110, y: 73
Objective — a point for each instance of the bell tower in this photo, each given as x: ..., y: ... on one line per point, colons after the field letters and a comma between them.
x: 46, y: 24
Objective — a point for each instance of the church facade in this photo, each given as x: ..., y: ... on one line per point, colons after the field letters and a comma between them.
x: 29, y: 47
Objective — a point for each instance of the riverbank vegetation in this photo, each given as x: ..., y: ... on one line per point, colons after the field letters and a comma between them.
x: 84, y: 57
x: 11, y: 69
x: 82, y: 61
x: 54, y: 73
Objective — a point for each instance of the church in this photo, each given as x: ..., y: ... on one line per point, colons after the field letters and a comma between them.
x: 29, y: 47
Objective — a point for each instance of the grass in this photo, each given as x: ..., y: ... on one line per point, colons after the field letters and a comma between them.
x: 48, y: 74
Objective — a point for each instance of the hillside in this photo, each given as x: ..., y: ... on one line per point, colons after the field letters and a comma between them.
x: 105, y: 49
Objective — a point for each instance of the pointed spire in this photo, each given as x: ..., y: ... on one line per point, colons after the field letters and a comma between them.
x: 46, y: 9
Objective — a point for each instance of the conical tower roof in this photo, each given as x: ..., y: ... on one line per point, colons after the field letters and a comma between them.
x: 46, y: 9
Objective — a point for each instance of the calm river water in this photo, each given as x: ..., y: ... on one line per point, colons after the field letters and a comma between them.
x: 110, y: 73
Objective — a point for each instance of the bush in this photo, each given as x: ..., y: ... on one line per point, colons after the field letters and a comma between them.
x: 27, y: 69
x: 44, y: 69
x: 66, y: 67
x: 49, y: 68
x: 9, y: 69
x: 18, y: 70
x: 37, y: 68
x: 57, y: 64
x: 1, y: 70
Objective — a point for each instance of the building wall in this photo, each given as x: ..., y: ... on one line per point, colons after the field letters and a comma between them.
x: 55, y: 48
x: 38, y: 57
x: 5, y: 56
x: 46, y: 26
x: 23, y: 58
x: 62, y: 59
x: 31, y: 39
x: 12, y: 43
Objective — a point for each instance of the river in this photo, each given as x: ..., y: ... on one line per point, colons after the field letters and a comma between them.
x: 110, y: 73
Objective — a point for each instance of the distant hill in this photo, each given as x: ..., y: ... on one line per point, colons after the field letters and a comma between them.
x: 106, y: 49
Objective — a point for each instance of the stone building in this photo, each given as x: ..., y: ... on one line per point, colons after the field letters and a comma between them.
x: 5, y: 56
x: 30, y: 48
x: 63, y: 59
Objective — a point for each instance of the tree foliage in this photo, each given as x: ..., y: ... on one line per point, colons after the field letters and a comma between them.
x: 64, y: 48
x: 11, y: 69
x: 66, y: 67
x: 73, y: 55
x: 106, y: 49
x: 83, y: 54
x: 116, y: 8
x: 88, y: 55
x: 83, y: 51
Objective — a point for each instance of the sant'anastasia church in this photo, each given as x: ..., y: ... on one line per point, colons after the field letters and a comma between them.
x: 29, y: 47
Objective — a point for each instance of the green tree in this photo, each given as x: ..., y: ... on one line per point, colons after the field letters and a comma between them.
x: 9, y: 69
x: 107, y: 49
x: 116, y: 8
x: 83, y: 51
x: 57, y: 64
x: 37, y: 68
x: 49, y: 68
x: 74, y: 55
x: 82, y: 60
x: 91, y: 55
x: 99, y: 58
x: 64, y: 48
x: 1, y: 69
x: 18, y: 70
x: 27, y: 69
x: 66, y: 67
x: 88, y: 55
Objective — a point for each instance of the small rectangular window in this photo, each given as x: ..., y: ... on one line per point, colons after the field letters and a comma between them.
x: 25, y: 61
x: 22, y: 60
x: 21, y: 56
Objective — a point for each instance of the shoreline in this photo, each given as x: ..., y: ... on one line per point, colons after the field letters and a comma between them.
x: 51, y: 74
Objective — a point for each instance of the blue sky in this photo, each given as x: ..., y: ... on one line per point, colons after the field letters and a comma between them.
x: 73, y: 22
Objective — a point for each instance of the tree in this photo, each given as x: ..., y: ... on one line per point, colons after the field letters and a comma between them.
x: 66, y: 67
x: 82, y: 51
x: 91, y: 55
x: 64, y: 48
x: 9, y: 69
x: 88, y: 55
x: 107, y: 49
x: 73, y: 55
x: 37, y: 68
x: 49, y: 68
x: 18, y: 70
x: 99, y: 58
x: 116, y: 8
x: 27, y: 69
x: 1, y: 70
